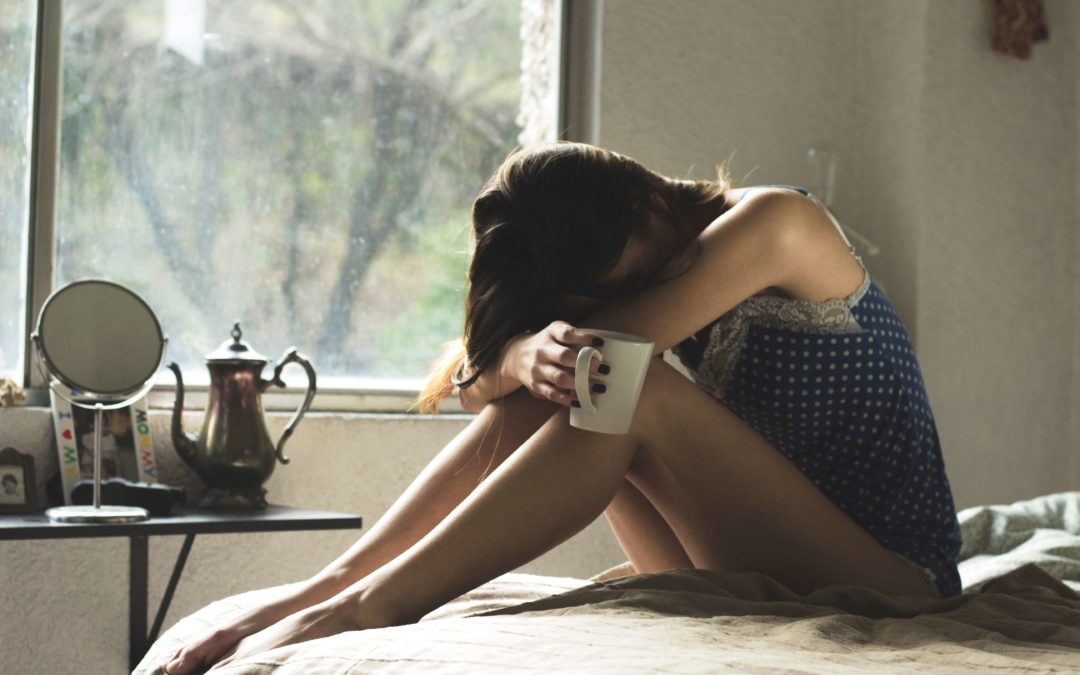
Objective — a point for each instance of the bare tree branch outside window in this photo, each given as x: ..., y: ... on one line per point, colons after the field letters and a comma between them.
x: 312, y: 177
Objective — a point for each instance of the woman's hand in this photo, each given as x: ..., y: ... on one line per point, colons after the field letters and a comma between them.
x: 212, y: 645
x: 544, y: 362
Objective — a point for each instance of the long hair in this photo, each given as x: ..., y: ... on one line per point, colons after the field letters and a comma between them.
x: 550, y: 220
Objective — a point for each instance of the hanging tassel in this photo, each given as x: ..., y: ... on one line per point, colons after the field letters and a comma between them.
x: 1018, y: 24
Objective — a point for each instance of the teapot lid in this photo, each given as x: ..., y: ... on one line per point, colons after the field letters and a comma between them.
x: 235, y: 350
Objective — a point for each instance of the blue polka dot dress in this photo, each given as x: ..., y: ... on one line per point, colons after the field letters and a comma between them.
x: 835, y: 386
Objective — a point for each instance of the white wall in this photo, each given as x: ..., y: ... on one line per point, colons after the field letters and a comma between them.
x: 995, y: 277
x: 959, y: 162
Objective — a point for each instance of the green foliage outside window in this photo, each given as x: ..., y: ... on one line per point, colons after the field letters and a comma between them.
x: 306, y: 168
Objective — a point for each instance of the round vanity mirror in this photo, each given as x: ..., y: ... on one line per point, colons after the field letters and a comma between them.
x: 98, y: 337
x: 102, y: 343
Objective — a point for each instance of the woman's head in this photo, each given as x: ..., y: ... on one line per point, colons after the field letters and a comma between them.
x: 556, y: 220
x: 555, y: 216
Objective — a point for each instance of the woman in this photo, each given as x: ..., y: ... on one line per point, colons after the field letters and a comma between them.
x: 803, y: 448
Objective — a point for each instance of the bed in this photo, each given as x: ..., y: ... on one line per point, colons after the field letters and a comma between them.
x: 1020, y: 612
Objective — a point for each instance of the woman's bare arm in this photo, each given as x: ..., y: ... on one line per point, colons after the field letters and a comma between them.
x: 542, y: 362
x: 492, y: 384
x: 766, y: 240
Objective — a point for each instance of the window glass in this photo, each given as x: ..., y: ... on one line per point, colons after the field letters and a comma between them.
x: 17, y: 25
x: 305, y: 168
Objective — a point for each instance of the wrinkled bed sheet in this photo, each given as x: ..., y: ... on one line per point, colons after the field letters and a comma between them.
x: 1019, y: 612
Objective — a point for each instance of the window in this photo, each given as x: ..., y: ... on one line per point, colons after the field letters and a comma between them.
x: 18, y: 20
x: 305, y: 168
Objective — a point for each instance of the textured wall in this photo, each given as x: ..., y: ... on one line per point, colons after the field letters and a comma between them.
x: 884, y: 157
x: 959, y: 162
x: 351, y: 463
x: 995, y: 279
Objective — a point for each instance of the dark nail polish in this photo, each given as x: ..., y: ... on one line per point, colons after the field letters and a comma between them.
x: 604, y: 369
x: 597, y: 342
x: 576, y: 403
x: 599, y: 388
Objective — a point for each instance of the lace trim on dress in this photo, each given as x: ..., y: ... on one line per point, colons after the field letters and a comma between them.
x: 728, y: 333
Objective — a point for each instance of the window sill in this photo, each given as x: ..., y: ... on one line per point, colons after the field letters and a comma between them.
x: 388, y: 399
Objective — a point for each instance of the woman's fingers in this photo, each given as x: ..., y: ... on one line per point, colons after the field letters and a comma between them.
x: 549, y: 392
x: 557, y: 385
x: 567, y: 357
x: 564, y: 379
x: 554, y: 364
x: 561, y: 355
x: 569, y: 335
x: 560, y: 377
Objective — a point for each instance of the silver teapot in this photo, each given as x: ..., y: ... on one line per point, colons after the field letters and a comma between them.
x: 234, y: 454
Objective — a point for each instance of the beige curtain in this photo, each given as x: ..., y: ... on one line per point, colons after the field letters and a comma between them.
x: 539, y: 58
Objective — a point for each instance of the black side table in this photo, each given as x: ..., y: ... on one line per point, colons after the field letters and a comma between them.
x: 186, y: 521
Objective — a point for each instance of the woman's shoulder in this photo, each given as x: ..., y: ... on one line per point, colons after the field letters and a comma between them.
x: 736, y: 194
x: 782, y: 213
x: 821, y: 265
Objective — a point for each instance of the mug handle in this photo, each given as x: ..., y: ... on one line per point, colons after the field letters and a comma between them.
x: 581, y: 377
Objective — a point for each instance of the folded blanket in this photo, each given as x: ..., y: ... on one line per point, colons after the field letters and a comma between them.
x: 1001, y: 537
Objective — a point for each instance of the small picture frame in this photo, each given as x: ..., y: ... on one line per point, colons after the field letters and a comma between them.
x: 18, y: 489
x: 126, y: 449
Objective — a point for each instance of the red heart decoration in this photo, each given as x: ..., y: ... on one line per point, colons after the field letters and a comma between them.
x: 67, y: 434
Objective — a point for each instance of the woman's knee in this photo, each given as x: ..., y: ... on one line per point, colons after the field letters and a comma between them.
x: 659, y: 392
x: 519, y: 409
x: 503, y: 425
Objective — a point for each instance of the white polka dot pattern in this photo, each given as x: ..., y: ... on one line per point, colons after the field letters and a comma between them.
x: 844, y: 401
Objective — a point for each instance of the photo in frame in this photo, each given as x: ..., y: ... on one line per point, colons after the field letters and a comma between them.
x: 126, y: 447
x: 18, y: 489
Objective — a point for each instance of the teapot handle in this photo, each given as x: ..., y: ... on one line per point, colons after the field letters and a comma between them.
x: 292, y: 356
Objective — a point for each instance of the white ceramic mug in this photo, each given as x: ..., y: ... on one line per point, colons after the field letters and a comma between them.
x: 628, y: 357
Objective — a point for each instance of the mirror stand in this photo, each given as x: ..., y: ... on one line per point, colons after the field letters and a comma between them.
x: 98, y: 345
x: 97, y: 513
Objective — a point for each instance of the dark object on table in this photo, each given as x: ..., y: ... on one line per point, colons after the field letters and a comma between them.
x: 18, y: 490
x: 234, y: 454
x: 156, y: 498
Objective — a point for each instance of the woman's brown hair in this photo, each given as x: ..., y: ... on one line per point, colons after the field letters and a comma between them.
x: 550, y: 221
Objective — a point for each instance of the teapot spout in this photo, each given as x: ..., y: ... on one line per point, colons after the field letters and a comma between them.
x: 184, y: 444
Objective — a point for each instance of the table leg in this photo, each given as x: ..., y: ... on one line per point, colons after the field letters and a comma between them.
x: 138, y: 563
x: 178, y: 568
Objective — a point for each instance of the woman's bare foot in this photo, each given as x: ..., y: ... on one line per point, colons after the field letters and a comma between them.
x: 321, y: 620
x: 212, y: 645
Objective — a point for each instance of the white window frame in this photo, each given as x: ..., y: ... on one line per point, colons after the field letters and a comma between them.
x: 577, y: 36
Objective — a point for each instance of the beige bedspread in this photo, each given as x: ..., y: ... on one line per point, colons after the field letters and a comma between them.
x: 1025, y: 619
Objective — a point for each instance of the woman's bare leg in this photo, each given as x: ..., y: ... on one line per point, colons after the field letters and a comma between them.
x: 554, y: 485
x: 734, y: 501
x: 455, y: 471
x: 500, y: 428
x: 646, y: 538
x: 496, y: 432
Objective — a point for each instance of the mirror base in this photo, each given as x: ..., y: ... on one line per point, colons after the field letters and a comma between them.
x: 101, y: 514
